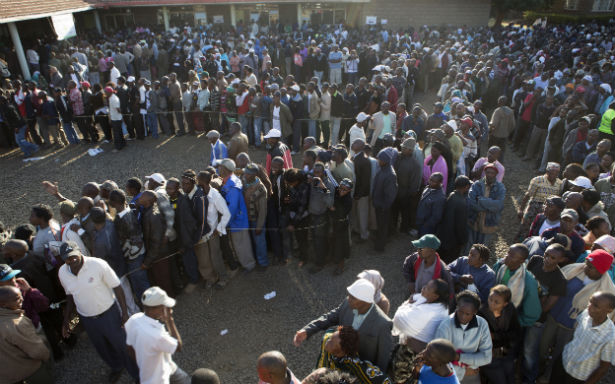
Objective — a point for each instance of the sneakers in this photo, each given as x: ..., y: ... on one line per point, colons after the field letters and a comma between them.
x: 190, y: 288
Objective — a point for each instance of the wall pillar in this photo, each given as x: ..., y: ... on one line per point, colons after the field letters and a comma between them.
x: 165, y: 18
x: 299, y: 15
x: 21, y: 56
x: 97, y: 21
x: 233, y: 16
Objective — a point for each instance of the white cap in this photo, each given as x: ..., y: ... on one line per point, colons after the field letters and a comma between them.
x: 273, y: 133
x: 582, y: 182
x: 363, y: 290
x: 362, y: 116
x: 452, y: 123
x: 587, y: 78
x: 155, y: 296
x: 130, y: 79
x: 295, y: 88
x: 157, y: 177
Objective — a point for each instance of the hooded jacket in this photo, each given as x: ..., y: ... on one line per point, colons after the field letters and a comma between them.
x: 384, y: 190
x: 233, y: 194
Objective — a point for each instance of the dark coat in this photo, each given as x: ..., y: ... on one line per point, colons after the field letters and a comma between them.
x: 384, y: 189
x: 453, y: 229
x: 154, y: 227
x: 363, y: 174
x: 375, y: 340
x: 430, y: 209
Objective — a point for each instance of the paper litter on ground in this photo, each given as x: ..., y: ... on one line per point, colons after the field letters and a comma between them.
x: 270, y: 295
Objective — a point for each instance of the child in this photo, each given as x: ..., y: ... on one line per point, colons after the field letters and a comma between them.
x: 590, y: 354
x: 501, y: 315
x: 437, y: 357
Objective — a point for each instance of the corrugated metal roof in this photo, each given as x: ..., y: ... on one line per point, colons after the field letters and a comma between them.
x: 136, y: 3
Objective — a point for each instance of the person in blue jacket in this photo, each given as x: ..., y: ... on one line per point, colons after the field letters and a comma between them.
x: 218, y: 148
x: 238, y: 224
x: 485, y: 203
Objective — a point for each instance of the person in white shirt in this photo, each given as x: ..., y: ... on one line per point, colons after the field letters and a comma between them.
x: 115, y: 114
x: 67, y: 212
x: 33, y: 60
x: 211, y: 262
x: 114, y: 73
x: 152, y: 338
x: 93, y: 290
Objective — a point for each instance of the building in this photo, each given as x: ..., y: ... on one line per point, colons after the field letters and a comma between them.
x: 584, y: 7
x: 22, y: 21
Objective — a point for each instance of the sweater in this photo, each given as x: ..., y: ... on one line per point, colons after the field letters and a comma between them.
x: 484, y: 277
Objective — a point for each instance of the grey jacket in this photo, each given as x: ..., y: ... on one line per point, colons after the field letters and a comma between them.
x: 321, y: 200
x: 375, y: 340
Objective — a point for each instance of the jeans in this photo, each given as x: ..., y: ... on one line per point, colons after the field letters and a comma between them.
x: 335, y: 132
x: 297, y: 136
x: 191, y: 266
x: 259, y: 243
x: 352, y: 78
x: 258, y: 128
x: 501, y: 370
x: 138, y: 278
x: 318, y: 75
x: 26, y: 147
x: 152, y: 124
x: 312, y: 129
x: 118, y: 135
x: 71, y: 135
x: 531, y: 343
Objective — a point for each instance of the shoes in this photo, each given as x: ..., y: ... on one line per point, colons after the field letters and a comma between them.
x: 190, y: 288
x: 315, y: 269
x: 130, y: 139
x: 221, y: 284
x: 106, y: 141
x: 261, y: 268
x: 210, y: 284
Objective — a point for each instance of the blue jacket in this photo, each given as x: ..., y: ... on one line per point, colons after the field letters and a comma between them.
x: 218, y: 152
x: 232, y: 192
x: 493, y: 205
x: 430, y: 209
x: 484, y: 277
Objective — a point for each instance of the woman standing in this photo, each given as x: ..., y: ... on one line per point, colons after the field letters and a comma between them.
x: 435, y: 163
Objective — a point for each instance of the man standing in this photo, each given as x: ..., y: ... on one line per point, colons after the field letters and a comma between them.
x: 238, y: 224
x: 382, y: 123
x: 359, y: 311
x: 92, y: 289
x: 281, y: 118
x: 23, y: 352
x: 255, y: 195
x: 431, y: 206
x: 238, y: 142
x: 363, y: 175
x: 218, y: 148
x: 152, y: 338
x: 453, y: 228
x: 198, y: 205
x: 115, y: 114
x: 322, y: 193
x: 501, y: 125
x: 486, y: 202
x: 384, y: 192
x: 335, y: 66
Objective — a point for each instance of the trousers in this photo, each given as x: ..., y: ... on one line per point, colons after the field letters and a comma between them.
x: 209, y: 257
x: 109, y: 339
x: 242, y: 246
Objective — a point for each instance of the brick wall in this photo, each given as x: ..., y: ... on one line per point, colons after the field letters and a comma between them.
x: 403, y: 13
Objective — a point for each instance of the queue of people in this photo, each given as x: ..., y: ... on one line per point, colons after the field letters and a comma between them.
x: 372, y: 162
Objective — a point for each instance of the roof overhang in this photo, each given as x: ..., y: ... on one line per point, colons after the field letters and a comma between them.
x: 41, y: 15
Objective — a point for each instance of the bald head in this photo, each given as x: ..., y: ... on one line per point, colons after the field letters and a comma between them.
x: 84, y: 205
x: 242, y: 160
x: 10, y: 297
x: 271, y: 366
x: 147, y: 199
x: 91, y: 189
x: 15, y: 249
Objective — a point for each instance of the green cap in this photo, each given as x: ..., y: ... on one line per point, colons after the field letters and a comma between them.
x: 427, y: 241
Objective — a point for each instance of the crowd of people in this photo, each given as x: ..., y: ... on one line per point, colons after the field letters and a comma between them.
x: 373, y: 162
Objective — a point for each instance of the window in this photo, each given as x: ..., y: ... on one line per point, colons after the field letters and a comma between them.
x: 571, y: 5
x: 603, y: 5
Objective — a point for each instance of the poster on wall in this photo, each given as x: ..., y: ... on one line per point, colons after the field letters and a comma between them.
x: 218, y: 19
x: 254, y: 17
x: 371, y: 20
x: 384, y: 21
x: 200, y: 17
x: 64, y: 25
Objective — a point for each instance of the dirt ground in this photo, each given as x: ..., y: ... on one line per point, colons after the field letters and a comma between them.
x: 254, y: 324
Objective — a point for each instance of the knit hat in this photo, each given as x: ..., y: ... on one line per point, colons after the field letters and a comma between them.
x: 601, y: 260
x: 408, y: 143
x: 67, y: 208
x: 363, y: 290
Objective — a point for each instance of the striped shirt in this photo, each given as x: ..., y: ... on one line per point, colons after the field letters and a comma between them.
x: 590, y: 345
x: 540, y: 188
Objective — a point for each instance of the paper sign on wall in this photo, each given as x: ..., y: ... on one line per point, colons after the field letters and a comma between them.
x: 371, y: 20
x: 64, y: 26
x: 218, y: 19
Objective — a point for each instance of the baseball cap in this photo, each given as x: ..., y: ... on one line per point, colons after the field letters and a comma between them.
x: 109, y: 90
x: 582, y: 182
x: 155, y: 296
x: 427, y: 241
x: 571, y: 213
x: 69, y: 248
x: 157, y: 177
x: 7, y: 273
x: 273, y: 133
x: 362, y: 116
x: 228, y: 164
x: 251, y: 169
x: 67, y: 208
x: 363, y: 290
